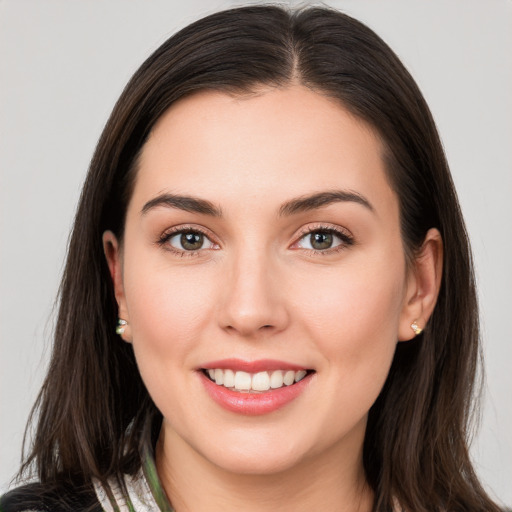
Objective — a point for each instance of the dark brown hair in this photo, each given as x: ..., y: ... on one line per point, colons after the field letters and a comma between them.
x: 93, y: 401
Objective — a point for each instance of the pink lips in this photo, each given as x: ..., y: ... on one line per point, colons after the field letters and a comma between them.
x: 252, y: 404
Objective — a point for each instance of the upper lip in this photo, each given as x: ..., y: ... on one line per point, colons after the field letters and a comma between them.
x: 259, y: 365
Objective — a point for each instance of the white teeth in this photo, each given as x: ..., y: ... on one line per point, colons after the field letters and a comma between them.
x: 242, y: 381
x: 299, y: 375
x: 289, y: 377
x: 219, y: 376
x: 229, y: 378
x: 261, y: 381
x: 276, y: 379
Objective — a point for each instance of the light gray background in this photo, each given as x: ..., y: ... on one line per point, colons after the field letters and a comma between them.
x: 63, y: 65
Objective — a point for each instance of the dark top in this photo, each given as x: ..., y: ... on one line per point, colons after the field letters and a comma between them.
x: 36, y: 497
x: 142, y: 492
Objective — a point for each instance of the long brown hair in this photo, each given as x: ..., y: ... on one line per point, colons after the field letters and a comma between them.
x: 93, y: 401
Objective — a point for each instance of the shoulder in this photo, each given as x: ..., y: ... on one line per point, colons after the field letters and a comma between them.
x: 36, y: 497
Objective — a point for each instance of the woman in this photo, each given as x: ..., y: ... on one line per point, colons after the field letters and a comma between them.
x: 270, y: 222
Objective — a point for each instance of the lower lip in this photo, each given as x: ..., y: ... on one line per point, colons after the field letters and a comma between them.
x: 253, y: 404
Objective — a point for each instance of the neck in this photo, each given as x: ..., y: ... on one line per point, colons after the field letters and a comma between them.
x: 325, y: 481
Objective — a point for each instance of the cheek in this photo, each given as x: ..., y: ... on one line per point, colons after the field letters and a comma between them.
x: 353, y: 315
x: 353, y: 303
x: 168, y: 314
x: 166, y: 308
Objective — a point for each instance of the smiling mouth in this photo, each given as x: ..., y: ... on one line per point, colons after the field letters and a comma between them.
x: 245, y: 382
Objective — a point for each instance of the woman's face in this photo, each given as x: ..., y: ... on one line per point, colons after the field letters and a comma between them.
x: 263, y: 238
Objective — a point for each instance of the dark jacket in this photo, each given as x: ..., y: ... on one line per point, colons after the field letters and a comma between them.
x: 60, y: 498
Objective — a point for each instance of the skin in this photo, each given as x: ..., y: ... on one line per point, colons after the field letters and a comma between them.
x: 258, y: 291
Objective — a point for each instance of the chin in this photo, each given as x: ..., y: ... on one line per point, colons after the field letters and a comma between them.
x: 259, y: 450
x: 257, y: 463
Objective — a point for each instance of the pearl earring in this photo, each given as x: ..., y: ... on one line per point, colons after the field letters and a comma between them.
x: 121, y: 324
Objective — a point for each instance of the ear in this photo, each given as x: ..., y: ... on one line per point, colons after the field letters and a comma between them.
x: 113, y: 254
x: 423, y: 284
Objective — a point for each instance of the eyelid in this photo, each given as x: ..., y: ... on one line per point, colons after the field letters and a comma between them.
x: 342, y: 233
x: 186, y: 228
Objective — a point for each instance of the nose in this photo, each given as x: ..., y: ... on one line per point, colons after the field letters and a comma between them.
x: 253, y: 301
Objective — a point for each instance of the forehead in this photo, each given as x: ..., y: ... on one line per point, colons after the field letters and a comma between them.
x: 274, y: 144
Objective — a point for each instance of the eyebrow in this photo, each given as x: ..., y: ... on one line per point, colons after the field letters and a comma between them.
x: 186, y: 203
x: 294, y: 206
x: 320, y: 199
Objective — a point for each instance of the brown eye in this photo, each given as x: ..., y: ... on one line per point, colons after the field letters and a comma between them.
x: 324, y: 240
x: 187, y: 241
x: 321, y: 240
x: 191, y: 241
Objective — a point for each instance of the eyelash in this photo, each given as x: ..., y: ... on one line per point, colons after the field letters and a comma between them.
x: 346, y: 239
x: 167, y: 235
